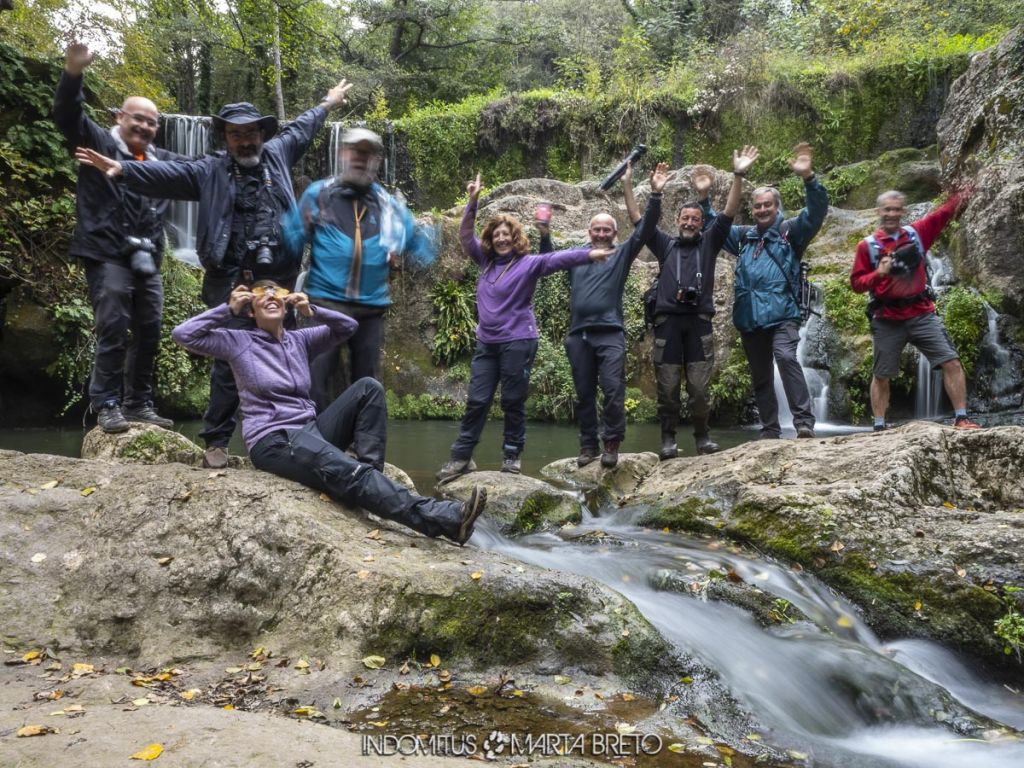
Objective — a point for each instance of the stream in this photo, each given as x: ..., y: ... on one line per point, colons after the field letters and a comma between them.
x: 825, y: 687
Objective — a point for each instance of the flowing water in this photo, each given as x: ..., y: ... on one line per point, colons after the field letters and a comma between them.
x: 827, y: 687
x: 190, y: 136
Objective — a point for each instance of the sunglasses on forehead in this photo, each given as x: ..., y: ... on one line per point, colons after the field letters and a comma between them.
x: 273, y: 290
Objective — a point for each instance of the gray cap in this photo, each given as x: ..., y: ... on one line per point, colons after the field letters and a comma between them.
x: 360, y: 135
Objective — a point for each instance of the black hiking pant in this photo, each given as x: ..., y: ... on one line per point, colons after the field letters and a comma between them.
x: 599, y: 357
x: 127, y: 310
x: 509, y: 364
x: 316, y: 455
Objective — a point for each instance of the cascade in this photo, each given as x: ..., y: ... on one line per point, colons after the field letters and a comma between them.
x: 187, y: 135
x: 929, y: 388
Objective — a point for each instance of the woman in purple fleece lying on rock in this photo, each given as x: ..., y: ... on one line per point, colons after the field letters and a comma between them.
x: 507, y: 332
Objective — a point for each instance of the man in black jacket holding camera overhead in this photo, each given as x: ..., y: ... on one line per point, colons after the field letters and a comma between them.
x: 683, y: 337
x: 243, y: 193
x: 119, y: 236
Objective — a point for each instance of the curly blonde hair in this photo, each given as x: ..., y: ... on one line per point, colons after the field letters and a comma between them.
x: 520, y: 243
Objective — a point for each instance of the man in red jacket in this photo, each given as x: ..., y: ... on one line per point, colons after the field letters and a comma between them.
x: 891, y: 265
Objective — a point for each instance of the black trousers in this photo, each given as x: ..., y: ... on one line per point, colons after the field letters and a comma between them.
x: 778, y: 344
x: 316, y: 456
x: 509, y: 364
x: 127, y: 310
x: 684, y: 348
x: 364, y: 348
x: 220, y: 417
x: 599, y: 357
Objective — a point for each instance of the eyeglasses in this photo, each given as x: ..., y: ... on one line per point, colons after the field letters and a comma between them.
x: 275, y: 290
x: 135, y: 117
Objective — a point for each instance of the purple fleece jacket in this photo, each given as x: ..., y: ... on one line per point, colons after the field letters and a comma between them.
x: 272, y: 376
x: 504, y: 292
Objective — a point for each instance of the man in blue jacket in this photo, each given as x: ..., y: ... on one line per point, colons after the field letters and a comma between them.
x: 358, y: 235
x: 766, y: 310
x: 243, y: 193
x: 119, y: 236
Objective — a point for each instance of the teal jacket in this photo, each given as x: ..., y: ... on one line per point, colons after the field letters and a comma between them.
x: 324, y: 218
x: 768, y: 264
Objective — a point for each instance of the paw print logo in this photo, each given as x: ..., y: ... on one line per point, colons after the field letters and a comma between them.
x: 495, y: 744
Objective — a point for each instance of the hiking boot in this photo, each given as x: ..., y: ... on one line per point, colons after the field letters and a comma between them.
x: 111, y: 420
x: 962, y: 422
x: 805, y: 432
x: 610, y: 457
x: 765, y: 435
x: 455, y: 467
x: 588, y: 454
x: 668, y: 448
x: 879, y: 427
x: 216, y: 457
x: 146, y: 414
x: 706, y: 445
x: 470, y: 512
x: 512, y: 463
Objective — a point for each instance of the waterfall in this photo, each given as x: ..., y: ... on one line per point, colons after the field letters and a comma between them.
x: 190, y: 136
x: 929, y: 388
x: 817, y: 384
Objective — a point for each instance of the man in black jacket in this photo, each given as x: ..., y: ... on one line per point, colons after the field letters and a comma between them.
x: 243, y: 194
x: 683, y: 336
x: 596, y: 342
x: 119, y: 236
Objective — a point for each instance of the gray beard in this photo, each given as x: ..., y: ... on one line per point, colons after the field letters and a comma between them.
x: 357, y: 179
x: 249, y: 161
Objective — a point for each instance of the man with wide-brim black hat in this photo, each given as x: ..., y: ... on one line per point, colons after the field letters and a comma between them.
x: 243, y: 192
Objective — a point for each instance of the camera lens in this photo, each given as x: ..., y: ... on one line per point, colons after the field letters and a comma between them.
x: 264, y: 257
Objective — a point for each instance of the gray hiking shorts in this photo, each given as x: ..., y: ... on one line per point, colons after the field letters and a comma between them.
x: 926, y: 332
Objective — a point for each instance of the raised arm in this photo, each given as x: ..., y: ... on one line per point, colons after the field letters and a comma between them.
x: 742, y: 160
x: 68, y: 114
x: 206, y: 335
x: 334, y: 327
x: 467, y: 234
x: 659, y: 242
x: 172, y: 179
x: 632, y: 209
x: 646, y: 229
x: 805, y: 226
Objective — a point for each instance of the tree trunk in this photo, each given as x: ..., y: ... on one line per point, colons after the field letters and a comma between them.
x: 278, y: 90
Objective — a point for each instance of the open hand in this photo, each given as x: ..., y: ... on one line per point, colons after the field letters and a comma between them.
x: 803, y: 155
x: 474, y: 187
x: 239, y: 299
x: 336, y: 96
x: 884, y: 265
x: 660, y: 176
x: 627, y: 175
x: 77, y: 57
x: 102, y: 163
x: 702, y: 180
x: 601, y: 254
x: 743, y: 159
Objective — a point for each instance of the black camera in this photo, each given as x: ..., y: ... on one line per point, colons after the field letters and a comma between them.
x: 905, y: 259
x: 688, y: 295
x: 140, y: 252
x: 263, y: 249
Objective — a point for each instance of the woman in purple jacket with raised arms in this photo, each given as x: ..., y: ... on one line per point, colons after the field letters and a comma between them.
x: 507, y: 332
x: 280, y: 426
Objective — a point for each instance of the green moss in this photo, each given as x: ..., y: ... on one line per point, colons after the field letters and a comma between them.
x: 645, y: 660
x: 732, y: 387
x: 423, y: 407
x: 692, y: 514
x: 540, y: 508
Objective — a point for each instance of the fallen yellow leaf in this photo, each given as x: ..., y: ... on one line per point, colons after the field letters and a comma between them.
x: 628, y: 697
x: 189, y: 694
x: 475, y: 575
x: 152, y: 752
x: 229, y: 707
x: 88, y: 491
x: 379, y: 723
x: 845, y: 622
x: 477, y: 690
x: 31, y: 655
x: 374, y: 662
x: 164, y: 560
x: 302, y: 664
x: 261, y: 651
x: 563, y: 679
x: 140, y: 702
x: 309, y: 711
x: 948, y: 505
x: 49, y: 485
x: 676, y: 747
x: 435, y: 660
x: 36, y: 730
x: 362, y: 574
x: 78, y: 669
x: 917, y: 605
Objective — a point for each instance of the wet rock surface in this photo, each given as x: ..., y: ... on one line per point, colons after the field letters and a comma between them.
x: 518, y: 503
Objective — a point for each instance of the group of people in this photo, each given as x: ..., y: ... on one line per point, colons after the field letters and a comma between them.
x: 252, y: 234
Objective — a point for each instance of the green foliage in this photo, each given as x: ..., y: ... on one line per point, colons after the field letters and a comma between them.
x: 182, y: 380
x: 423, y: 407
x: 963, y: 313
x: 1010, y: 627
x: 640, y: 409
x: 551, y: 389
x: 72, y: 319
x: 845, y: 309
x: 729, y: 392
x: 454, y: 303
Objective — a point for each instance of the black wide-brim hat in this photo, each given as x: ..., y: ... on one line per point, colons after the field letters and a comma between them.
x: 244, y: 113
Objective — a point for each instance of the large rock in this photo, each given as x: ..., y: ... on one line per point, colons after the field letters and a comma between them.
x: 921, y: 526
x: 518, y: 503
x: 602, y: 486
x: 981, y: 135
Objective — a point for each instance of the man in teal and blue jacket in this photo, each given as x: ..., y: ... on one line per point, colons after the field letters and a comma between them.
x: 358, y: 234
x: 766, y: 310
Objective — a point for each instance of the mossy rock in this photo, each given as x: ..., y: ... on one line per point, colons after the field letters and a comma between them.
x: 141, y: 444
x: 519, y: 504
x: 601, y: 486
